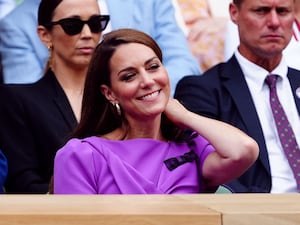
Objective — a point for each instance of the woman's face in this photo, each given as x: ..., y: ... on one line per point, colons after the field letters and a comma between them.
x: 139, y: 82
x: 74, y: 50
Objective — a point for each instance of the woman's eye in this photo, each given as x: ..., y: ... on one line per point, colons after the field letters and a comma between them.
x: 127, y: 77
x: 154, y: 66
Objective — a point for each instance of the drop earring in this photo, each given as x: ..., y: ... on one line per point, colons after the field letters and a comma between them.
x: 118, y: 108
x: 49, y: 62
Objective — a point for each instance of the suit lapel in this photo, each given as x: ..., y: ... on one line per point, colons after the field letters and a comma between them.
x: 237, y: 87
x: 294, y: 78
x: 65, y: 109
x: 60, y: 100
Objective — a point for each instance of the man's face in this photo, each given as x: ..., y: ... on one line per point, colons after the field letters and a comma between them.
x: 265, y: 26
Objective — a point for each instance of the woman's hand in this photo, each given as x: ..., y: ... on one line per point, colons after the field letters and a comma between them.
x: 176, y: 112
x: 235, y: 151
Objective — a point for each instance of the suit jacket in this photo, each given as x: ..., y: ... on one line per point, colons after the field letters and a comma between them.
x: 222, y: 93
x: 36, y: 120
x: 23, y: 52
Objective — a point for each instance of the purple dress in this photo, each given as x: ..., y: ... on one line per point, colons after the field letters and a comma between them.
x: 139, y: 166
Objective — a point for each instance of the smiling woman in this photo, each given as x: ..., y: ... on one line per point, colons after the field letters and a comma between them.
x: 139, y: 83
x: 130, y: 138
x: 37, y: 118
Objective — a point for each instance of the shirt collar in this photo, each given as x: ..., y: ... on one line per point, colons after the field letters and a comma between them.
x: 256, y: 74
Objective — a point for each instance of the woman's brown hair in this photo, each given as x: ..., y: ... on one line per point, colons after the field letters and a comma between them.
x: 98, y: 115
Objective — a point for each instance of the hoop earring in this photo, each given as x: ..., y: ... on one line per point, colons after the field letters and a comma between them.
x: 118, y: 108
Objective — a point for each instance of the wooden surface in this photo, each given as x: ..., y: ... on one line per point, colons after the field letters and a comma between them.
x: 104, y: 209
x: 206, y: 209
x: 253, y: 209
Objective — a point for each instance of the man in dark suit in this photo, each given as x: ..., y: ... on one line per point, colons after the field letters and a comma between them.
x: 236, y: 91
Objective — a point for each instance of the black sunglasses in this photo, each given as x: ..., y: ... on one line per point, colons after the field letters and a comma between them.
x: 73, y: 26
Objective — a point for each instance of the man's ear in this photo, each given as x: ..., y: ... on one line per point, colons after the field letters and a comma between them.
x: 108, y: 93
x: 234, y: 12
x: 45, y: 36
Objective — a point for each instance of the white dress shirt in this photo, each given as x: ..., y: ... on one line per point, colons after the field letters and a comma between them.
x: 283, y: 180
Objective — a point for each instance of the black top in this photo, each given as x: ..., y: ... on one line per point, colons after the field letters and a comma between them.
x: 36, y: 120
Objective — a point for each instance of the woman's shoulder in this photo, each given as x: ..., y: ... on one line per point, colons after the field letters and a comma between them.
x: 76, y: 148
x: 74, y: 143
x: 39, y: 86
x: 21, y: 91
x: 127, y: 143
x: 94, y: 147
x: 102, y: 145
x: 34, y: 94
x: 84, y: 144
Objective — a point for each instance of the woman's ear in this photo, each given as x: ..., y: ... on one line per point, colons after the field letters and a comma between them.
x: 108, y: 93
x: 45, y: 36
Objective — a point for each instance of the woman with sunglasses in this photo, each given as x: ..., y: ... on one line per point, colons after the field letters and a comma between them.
x: 37, y: 118
x: 129, y: 139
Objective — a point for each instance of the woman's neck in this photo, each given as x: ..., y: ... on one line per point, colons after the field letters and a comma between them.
x: 72, y: 82
x: 69, y: 78
x: 136, y: 130
x: 145, y: 128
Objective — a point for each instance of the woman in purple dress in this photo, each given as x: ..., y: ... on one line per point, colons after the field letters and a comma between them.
x: 132, y: 137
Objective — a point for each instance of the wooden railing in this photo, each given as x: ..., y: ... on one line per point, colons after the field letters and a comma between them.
x: 202, y: 209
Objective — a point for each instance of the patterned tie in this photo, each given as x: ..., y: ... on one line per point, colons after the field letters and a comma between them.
x: 284, y: 129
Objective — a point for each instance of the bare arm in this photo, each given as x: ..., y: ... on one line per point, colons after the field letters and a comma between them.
x: 235, y: 151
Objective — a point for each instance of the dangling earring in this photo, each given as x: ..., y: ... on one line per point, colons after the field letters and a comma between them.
x: 118, y: 108
x: 49, y: 62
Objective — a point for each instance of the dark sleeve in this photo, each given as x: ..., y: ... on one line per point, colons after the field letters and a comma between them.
x: 205, y: 96
x: 18, y: 144
x: 197, y: 95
